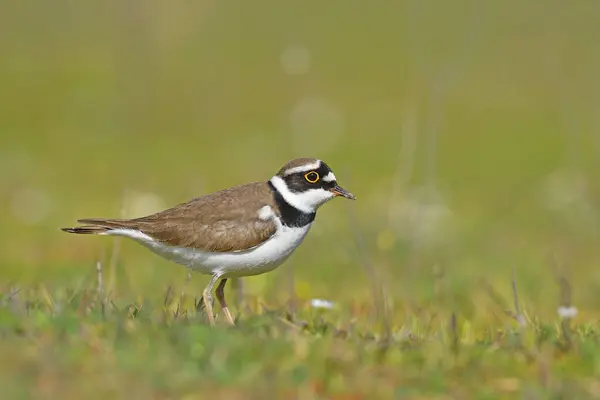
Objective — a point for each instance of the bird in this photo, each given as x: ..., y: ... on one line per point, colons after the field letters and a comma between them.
x: 245, y: 230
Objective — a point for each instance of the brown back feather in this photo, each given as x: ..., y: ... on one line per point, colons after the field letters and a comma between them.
x: 222, y: 221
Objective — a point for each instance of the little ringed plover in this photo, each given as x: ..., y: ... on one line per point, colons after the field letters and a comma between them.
x: 241, y: 231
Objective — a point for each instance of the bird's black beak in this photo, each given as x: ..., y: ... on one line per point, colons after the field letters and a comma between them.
x: 337, y: 190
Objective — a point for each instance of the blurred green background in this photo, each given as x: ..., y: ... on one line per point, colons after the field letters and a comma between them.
x: 469, y: 132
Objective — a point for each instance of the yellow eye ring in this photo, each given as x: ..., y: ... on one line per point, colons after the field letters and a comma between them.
x: 312, y: 177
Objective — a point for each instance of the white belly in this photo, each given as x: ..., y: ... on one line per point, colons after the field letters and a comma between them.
x: 257, y: 260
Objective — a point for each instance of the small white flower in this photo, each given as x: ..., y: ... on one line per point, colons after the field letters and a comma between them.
x: 567, y: 312
x: 320, y: 303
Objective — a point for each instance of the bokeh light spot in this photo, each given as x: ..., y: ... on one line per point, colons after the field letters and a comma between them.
x: 30, y: 205
x: 295, y: 60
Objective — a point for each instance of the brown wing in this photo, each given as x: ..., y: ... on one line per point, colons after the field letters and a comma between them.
x: 221, y: 221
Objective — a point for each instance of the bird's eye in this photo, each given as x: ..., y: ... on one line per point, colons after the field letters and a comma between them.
x: 312, y: 177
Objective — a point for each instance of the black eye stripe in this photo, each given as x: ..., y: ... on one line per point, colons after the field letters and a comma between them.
x: 297, y: 182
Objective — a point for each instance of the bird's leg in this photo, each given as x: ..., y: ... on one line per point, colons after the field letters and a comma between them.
x: 207, y: 297
x: 222, y: 302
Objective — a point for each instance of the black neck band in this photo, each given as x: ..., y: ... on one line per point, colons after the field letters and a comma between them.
x: 290, y: 215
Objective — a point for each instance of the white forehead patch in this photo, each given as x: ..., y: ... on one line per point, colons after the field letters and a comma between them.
x: 330, y: 177
x: 302, y: 168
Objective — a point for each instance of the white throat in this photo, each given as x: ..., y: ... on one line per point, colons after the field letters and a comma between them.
x: 307, y: 201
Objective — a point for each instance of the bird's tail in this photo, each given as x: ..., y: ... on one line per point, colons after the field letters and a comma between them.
x: 86, y: 229
x: 96, y: 226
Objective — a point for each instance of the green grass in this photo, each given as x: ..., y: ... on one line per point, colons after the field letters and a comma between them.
x: 79, y: 341
x: 468, y: 132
